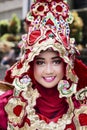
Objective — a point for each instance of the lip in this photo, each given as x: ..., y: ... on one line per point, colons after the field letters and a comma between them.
x: 49, y: 79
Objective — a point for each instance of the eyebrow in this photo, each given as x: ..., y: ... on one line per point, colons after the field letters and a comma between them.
x: 56, y: 57
x: 40, y: 58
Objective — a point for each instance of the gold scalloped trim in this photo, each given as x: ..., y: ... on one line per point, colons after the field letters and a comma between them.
x: 31, y: 95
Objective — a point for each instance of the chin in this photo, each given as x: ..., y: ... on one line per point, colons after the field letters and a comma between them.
x: 47, y: 86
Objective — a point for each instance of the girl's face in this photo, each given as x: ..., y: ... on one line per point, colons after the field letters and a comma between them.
x: 48, y: 69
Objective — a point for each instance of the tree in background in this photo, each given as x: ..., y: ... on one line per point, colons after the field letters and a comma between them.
x: 14, y: 25
x: 77, y: 28
x: 4, y: 27
x: 10, y: 29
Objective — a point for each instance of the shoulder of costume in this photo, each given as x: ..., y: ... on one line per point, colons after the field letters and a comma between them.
x: 5, y: 86
x: 80, y: 63
x: 80, y: 68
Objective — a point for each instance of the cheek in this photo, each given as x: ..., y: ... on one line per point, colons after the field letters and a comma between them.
x: 62, y: 73
x: 37, y: 72
x: 61, y: 70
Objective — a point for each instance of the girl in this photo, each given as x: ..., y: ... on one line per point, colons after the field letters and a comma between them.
x: 48, y: 90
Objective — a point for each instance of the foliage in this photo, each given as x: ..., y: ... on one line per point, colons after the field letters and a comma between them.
x: 11, y: 26
x: 77, y: 27
x: 10, y: 37
x: 14, y: 25
x: 3, y: 27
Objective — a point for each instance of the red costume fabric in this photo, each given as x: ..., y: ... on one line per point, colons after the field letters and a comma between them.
x: 49, y: 107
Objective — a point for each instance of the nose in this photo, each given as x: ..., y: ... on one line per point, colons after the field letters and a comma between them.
x: 49, y: 69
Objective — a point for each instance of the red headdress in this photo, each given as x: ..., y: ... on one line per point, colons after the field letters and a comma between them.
x: 48, y: 27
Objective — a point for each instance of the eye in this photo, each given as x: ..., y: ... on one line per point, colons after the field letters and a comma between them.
x: 58, y: 61
x: 38, y: 62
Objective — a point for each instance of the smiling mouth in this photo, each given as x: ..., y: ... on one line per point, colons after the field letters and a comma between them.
x: 49, y: 79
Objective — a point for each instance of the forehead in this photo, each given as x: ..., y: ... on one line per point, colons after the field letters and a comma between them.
x: 48, y: 53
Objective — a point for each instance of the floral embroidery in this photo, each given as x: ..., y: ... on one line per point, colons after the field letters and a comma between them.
x: 26, y: 118
x: 40, y: 9
x: 16, y: 109
x: 59, y: 9
x: 65, y: 90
